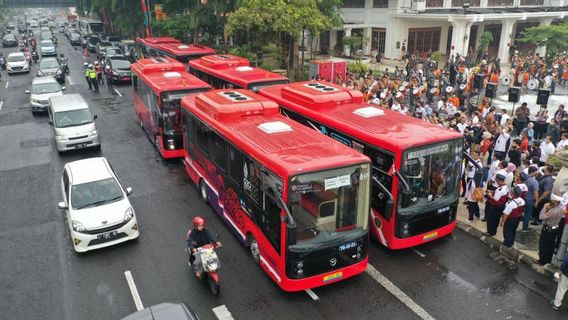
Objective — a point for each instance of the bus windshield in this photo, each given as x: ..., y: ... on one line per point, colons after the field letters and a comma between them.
x: 329, y: 204
x: 432, y: 172
x: 172, y: 111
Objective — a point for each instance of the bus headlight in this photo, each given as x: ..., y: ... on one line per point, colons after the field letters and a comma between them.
x: 405, y: 232
x: 171, y: 144
x: 405, y: 226
x: 300, y: 268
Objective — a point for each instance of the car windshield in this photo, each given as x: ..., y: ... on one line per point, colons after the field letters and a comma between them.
x: 94, y: 40
x: 48, y: 64
x: 113, y: 51
x: 45, y: 35
x: 329, y: 204
x: 64, y: 119
x: 9, y: 37
x: 46, y: 43
x: 96, y: 193
x: 42, y: 88
x: 120, y: 64
x: 16, y: 58
x: 432, y: 172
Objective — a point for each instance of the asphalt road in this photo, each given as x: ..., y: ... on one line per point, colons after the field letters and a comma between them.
x: 42, y: 278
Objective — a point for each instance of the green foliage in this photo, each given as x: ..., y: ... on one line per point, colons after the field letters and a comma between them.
x: 174, y: 26
x: 355, y: 42
x: 357, y: 67
x: 270, y: 64
x: 553, y: 37
x: 436, y: 56
x: 244, y: 51
x: 485, y: 40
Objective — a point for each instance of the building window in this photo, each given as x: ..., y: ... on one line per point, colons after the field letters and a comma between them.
x: 324, y: 42
x: 423, y: 40
x: 532, y: 2
x: 378, y: 40
x: 353, y: 3
x: 434, y: 3
x: 380, y: 3
x: 472, y: 3
x: 499, y: 3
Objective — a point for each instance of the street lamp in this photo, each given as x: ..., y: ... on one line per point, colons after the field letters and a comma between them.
x: 465, y: 6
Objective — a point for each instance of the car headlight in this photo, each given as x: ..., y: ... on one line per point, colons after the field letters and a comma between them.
x: 77, y: 226
x: 93, y: 133
x: 128, y: 214
x: 60, y: 138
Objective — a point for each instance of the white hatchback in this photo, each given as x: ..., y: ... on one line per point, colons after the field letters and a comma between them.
x: 98, y: 211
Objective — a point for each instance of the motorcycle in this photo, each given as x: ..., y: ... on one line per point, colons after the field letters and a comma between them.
x: 35, y: 56
x: 64, y: 65
x: 2, y: 63
x: 211, y: 265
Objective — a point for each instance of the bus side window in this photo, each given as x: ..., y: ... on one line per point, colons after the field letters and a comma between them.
x: 202, y: 138
x: 381, y: 164
x: 189, y: 132
x: 270, y: 222
x: 235, y: 165
x: 218, y: 151
x: 251, y: 179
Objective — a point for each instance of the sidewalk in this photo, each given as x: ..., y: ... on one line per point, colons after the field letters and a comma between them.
x: 525, y: 248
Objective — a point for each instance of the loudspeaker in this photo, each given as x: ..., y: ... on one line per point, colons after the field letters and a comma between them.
x: 490, y: 90
x: 542, y: 96
x: 478, y: 81
x: 514, y: 94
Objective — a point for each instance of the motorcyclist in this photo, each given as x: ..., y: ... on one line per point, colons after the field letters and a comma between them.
x: 99, y: 71
x: 197, y: 237
x: 28, y: 55
x: 108, y: 78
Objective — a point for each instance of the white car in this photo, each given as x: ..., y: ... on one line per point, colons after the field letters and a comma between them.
x: 17, y: 63
x: 98, y: 212
x: 42, y: 89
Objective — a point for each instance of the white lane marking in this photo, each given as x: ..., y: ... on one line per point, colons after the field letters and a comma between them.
x: 222, y: 313
x: 118, y: 92
x: 312, y: 294
x: 419, y: 253
x: 70, y: 80
x: 1, y: 104
x: 7, y: 83
x: 133, y: 290
x: 399, y: 294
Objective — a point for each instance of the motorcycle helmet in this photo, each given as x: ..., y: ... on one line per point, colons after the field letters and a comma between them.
x: 198, y: 221
x: 96, y: 62
x: 107, y: 67
x: 90, y: 65
x: 86, y: 64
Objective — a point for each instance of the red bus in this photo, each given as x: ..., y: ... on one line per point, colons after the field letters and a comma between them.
x: 228, y: 71
x: 299, y: 201
x: 172, y: 48
x: 416, y: 165
x: 158, y: 85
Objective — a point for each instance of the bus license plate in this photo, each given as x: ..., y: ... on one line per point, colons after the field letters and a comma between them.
x: 107, y: 236
x: 333, y: 276
x: 430, y: 235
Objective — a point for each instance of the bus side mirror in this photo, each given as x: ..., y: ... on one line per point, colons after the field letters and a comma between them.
x: 291, y: 234
x: 389, y: 209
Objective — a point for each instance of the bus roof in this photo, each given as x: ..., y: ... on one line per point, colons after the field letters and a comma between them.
x: 241, y: 76
x: 166, y: 74
x: 342, y: 108
x: 222, y: 61
x: 254, y: 124
x: 179, y: 49
x: 152, y: 41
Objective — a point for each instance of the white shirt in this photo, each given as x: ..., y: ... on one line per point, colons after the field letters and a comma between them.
x: 469, y: 191
x: 492, y: 169
x: 461, y: 127
x: 501, y: 143
x: 485, y: 112
x: 524, y: 188
x: 562, y: 144
x: 440, y: 104
x: 501, y: 191
x: 472, y: 168
x: 475, y: 120
x: 395, y: 106
x: 513, y: 204
x: 546, y: 149
x: 509, y: 179
x: 504, y: 118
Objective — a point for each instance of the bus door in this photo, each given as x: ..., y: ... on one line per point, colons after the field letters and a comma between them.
x: 382, y: 203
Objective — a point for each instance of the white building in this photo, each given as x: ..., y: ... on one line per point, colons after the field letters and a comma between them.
x: 389, y: 26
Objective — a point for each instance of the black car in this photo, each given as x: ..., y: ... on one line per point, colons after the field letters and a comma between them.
x: 92, y: 43
x: 75, y: 38
x: 120, y: 67
x: 164, y: 311
x: 9, y: 40
x: 51, y: 67
x: 22, y: 28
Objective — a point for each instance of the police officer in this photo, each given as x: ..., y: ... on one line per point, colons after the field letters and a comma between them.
x: 496, y: 204
x: 550, y: 216
x: 87, y: 66
x: 93, y: 77
x: 512, y: 216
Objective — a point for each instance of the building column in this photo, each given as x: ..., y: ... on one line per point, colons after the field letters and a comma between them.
x: 347, y: 49
x: 460, y: 37
x: 447, y: 3
x: 506, y: 39
x: 542, y: 50
x: 516, y: 3
x: 483, y: 4
x: 367, y: 38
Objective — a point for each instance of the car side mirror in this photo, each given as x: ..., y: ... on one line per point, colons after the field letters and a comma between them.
x: 129, y: 191
x: 95, y: 116
x: 63, y: 88
x: 50, y: 122
x: 62, y: 205
x: 28, y: 91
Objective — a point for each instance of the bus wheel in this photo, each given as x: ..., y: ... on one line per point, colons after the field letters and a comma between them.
x: 253, y: 248
x: 203, y: 191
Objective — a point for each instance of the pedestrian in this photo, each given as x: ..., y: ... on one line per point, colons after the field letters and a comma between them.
x: 471, y: 200
x: 531, y: 196
x: 87, y: 71
x: 108, y: 78
x: 93, y: 78
x: 512, y: 216
x: 99, y: 70
x: 550, y: 216
x: 545, y: 184
x: 515, y: 153
x: 546, y: 150
x: 502, y: 143
x: 553, y: 131
x: 562, y: 274
x: 541, y: 122
x: 563, y: 143
x: 495, y: 205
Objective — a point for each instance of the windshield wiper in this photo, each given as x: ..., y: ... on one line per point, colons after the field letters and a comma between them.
x: 75, y: 124
x: 115, y: 199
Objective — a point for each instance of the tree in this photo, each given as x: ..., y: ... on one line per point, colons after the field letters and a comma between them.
x: 553, y: 37
x: 485, y: 40
x: 265, y: 21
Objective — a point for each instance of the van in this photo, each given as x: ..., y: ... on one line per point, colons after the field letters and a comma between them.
x: 73, y: 123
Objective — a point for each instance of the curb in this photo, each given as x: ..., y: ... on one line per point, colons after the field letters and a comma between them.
x: 511, y: 253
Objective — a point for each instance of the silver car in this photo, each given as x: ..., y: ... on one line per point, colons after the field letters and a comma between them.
x: 42, y: 89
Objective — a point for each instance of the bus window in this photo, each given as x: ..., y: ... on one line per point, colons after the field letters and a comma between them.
x: 382, y: 163
x: 218, y: 152
x: 189, y: 132
x: 202, y: 138
x: 251, y: 179
x: 235, y: 165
